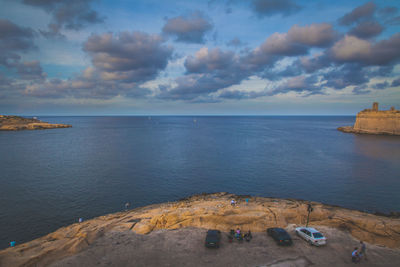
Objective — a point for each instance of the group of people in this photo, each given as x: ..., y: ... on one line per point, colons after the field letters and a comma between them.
x: 238, y: 235
x: 233, y: 202
x: 359, y: 253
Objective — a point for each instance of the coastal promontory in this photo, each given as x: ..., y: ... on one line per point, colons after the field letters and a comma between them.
x: 16, y: 123
x: 172, y: 234
x: 375, y: 121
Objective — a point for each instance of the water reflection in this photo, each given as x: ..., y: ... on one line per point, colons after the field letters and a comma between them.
x: 379, y: 147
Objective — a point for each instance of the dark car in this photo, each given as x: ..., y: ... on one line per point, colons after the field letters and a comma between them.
x: 213, y: 238
x: 280, y: 236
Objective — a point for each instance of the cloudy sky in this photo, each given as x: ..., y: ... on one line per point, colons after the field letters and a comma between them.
x: 272, y: 57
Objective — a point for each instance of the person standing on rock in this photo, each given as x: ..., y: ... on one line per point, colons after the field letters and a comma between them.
x: 233, y: 202
x: 127, y: 205
x: 363, y: 249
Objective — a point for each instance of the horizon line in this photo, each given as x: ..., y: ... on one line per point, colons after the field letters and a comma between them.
x: 176, y: 115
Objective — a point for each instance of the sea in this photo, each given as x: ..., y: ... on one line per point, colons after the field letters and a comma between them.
x: 50, y: 178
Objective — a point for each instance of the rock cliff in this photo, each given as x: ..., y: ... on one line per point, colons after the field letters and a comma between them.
x: 204, y: 211
x: 16, y: 123
x: 374, y: 121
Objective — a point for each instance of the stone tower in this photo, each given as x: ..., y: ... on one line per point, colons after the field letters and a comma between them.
x: 375, y: 106
x: 375, y: 121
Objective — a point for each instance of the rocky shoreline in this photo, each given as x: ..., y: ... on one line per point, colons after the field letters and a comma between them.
x: 350, y: 129
x: 16, y: 123
x: 204, y: 211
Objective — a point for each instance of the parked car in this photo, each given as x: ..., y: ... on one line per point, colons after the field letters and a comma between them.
x: 280, y: 236
x: 311, y: 235
x: 213, y: 238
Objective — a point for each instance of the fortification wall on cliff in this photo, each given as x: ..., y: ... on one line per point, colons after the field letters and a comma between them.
x: 385, y: 121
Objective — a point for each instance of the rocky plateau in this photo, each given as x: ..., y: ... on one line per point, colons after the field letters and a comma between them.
x: 16, y: 123
x: 204, y: 212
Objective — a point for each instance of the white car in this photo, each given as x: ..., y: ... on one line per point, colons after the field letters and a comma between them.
x: 311, y: 235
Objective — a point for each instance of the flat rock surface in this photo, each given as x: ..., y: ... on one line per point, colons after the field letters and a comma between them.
x: 173, y: 233
x: 185, y: 247
x: 350, y: 129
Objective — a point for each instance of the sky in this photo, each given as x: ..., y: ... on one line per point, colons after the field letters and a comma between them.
x: 217, y: 57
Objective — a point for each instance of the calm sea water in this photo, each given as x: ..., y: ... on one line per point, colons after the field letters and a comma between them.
x: 50, y: 178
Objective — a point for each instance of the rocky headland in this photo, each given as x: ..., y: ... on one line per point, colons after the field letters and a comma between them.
x: 120, y: 235
x: 16, y: 123
x: 375, y: 121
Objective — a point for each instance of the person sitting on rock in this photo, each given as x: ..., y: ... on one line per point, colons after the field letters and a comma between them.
x: 233, y: 202
x: 237, y: 232
x: 248, y: 236
x: 231, y: 235
x: 355, y: 257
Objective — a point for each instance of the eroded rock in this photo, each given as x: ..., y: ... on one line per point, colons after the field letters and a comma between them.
x: 205, y: 211
x: 16, y: 123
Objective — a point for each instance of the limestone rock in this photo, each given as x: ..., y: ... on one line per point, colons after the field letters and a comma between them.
x: 375, y: 121
x: 16, y: 123
x: 205, y: 211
